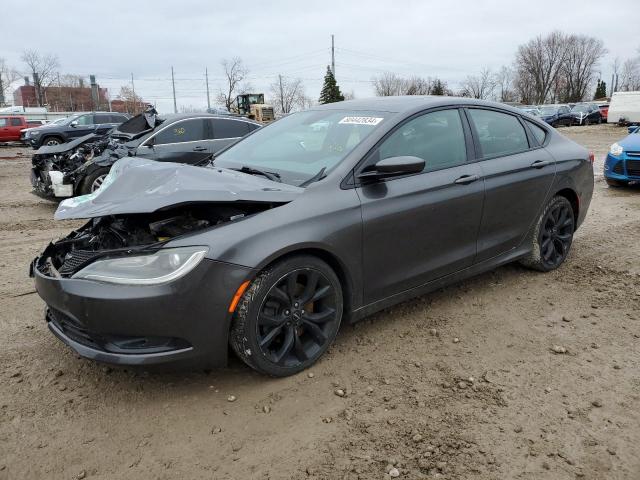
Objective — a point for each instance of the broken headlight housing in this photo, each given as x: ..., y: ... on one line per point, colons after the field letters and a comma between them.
x: 163, y: 266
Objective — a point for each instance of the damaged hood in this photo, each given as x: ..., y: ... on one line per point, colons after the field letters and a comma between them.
x: 138, y: 185
x: 65, y: 147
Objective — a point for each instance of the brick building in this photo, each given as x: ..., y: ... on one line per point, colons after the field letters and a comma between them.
x: 62, y: 99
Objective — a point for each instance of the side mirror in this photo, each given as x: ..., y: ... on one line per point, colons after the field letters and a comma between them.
x: 392, y: 167
x: 74, y: 124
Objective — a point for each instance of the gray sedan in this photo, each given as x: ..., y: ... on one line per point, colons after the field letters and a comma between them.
x: 320, y: 218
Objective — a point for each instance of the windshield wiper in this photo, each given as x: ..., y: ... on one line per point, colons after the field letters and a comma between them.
x: 273, y: 176
x: 315, y: 178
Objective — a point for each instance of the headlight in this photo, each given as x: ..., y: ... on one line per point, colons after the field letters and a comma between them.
x: 33, y: 133
x: 160, y: 267
x: 616, y: 150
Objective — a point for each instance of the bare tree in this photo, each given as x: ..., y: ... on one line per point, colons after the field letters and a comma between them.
x: 538, y: 64
x: 132, y: 101
x: 630, y: 75
x: 577, y: 74
x: 43, y: 69
x: 235, y: 72
x: 8, y: 75
x: 504, y: 85
x: 287, y: 94
x: 389, y: 84
x: 479, y: 86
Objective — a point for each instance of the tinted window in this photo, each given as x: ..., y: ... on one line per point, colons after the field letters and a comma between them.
x: 183, y: 131
x: 229, y: 128
x: 3, y: 122
x: 84, y: 120
x: 436, y: 137
x: 101, y: 118
x: 538, y: 132
x: 16, y: 122
x: 498, y: 133
x: 118, y: 118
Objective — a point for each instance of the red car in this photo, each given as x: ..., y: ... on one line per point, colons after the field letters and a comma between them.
x: 604, y: 110
x: 10, y: 127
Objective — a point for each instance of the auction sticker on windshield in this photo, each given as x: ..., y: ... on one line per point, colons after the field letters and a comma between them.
x: 361, y: 120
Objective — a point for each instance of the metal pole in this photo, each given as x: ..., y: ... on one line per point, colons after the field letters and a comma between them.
x: 206, y: 76
x: 333, y: 57
x: 135, y: 101
x: 173, y: 83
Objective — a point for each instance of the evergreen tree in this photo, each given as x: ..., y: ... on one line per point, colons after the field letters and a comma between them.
x: 601, y: 90
x: 330, y: 90
x: 438, y: 88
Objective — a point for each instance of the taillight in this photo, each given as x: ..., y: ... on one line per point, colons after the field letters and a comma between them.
x: 592, y: 157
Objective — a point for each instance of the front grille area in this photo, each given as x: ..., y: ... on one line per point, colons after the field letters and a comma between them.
x: 120, y: 344
x: 633, y: 168
x: 75, y: 259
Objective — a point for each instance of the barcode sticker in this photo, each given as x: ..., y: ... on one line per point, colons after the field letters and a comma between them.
x: 361, y: 120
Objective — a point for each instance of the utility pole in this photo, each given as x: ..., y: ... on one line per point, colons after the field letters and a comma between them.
x: 94, y: 93
x: 173, y: 83
x: 135, y: 101
x: 333, y: 57
x: 206, y: 76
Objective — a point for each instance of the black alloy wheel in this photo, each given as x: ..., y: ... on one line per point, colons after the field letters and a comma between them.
x: 288, y: 317
x: 556, y: 234
x: 552, y: 236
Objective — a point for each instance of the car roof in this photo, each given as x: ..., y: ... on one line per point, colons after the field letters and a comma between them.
x: 172, y: 117
x: 401, y: 104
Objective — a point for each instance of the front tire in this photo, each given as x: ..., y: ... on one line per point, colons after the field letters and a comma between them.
x: 288, y: 317
x: 51, y: 141
x: 94, y: 180
x: 552, y: 236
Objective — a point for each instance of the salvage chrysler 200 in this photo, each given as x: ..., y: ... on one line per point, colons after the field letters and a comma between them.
x: 318, y: 219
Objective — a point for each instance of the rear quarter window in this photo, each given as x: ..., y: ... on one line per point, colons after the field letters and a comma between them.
x: 538, y: 132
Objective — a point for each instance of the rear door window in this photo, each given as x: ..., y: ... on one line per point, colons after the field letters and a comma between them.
x: 182, y: 131
x: 228, y: 128
x: 498, y: 133
x: 16, y: 122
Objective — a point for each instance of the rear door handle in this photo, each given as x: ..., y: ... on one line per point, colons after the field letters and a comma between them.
x: 539, y: 164
x: 199, y: 149
x: 466, y: 179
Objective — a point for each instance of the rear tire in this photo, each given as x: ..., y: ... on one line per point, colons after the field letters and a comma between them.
x: 288, y: 317
x: 552, y: 236
x: 94, y: 180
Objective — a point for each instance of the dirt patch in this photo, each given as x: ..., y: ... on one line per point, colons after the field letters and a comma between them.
x: 463, y: 383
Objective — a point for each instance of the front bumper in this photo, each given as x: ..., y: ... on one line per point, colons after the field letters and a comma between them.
x: 185, y: 322
x: 624, y: 168
x: 51, y: 183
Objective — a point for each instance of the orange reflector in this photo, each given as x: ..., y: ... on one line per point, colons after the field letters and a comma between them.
x: 238, y: 296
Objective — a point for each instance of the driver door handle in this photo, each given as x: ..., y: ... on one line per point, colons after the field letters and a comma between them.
x: 199, y: 149
x: 539, y: 164
x: 466, y: 179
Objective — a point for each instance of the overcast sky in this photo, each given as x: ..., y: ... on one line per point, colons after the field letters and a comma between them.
x: 449, y: 39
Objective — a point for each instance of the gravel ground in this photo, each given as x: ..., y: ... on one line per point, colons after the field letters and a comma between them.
x: 463, y: 383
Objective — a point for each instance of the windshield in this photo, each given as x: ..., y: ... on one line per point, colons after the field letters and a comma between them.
x: 297, y: 147
x: 548, y: 110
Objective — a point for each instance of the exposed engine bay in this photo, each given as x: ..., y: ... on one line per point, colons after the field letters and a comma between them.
x: 135, y: 233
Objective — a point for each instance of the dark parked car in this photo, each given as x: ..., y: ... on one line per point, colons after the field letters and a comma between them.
x: 296, y: 229
x: 73, y: 127
x: 586, y: 114
x: 557, y: 115
x: 80, y: 166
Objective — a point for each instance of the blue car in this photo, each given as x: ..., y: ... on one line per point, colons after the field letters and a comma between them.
x: 622, y: 165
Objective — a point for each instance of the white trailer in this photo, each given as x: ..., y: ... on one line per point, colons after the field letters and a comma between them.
x: 624, y: 108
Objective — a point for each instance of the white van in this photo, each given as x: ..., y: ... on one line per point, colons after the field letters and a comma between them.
x: 624, y: 107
